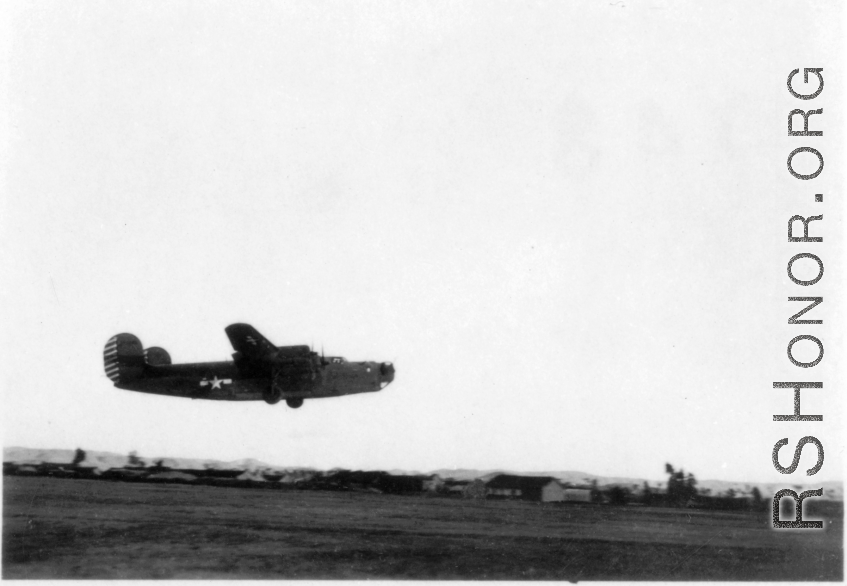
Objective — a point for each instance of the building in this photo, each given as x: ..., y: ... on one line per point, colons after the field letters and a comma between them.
x: 530, y: 488
x: 577, y: 495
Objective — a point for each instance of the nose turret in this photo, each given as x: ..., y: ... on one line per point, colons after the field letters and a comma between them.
x: 386, y: 374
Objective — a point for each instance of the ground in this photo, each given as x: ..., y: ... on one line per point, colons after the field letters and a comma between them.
x: 69, y: 528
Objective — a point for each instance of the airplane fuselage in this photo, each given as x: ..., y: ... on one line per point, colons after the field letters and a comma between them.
x: 223, y: 381
x: 259, y: 371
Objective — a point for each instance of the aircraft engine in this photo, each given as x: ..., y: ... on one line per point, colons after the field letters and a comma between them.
x: 123, y: 358
x: 156, y: 356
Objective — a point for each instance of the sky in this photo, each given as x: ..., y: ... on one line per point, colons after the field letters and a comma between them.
x: 563, y: 222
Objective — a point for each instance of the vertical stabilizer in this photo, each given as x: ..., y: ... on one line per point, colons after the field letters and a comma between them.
x: 123, y: 358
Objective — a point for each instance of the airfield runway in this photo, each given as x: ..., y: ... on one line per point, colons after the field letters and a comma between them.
x: 64, y: 528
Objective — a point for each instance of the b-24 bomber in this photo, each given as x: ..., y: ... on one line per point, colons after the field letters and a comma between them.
x: 259, y: 371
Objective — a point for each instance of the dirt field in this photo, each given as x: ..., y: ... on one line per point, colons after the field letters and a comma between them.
x: 55, y: 528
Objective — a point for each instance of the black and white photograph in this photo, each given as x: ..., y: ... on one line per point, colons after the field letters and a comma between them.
x: 431, y: 290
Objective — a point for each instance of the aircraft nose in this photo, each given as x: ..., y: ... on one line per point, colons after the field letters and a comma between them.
x: 386, y: 369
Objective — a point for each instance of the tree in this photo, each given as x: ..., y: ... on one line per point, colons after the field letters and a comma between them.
x: 79, y: 456
x: 135, y: 461
x: 618, y: 495
x: 475, y: 489
x: 595, y: 492
x: 759, y: 503
x: 691, y: 484
x: 646, y: 494
x: 681, y: 488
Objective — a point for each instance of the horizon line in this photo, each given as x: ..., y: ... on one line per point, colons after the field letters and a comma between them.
x: 405, y: 469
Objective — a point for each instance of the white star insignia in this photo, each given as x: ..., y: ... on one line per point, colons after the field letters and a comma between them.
x: 216, y: 382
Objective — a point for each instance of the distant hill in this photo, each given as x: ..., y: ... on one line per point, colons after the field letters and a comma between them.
x: 36, y: 456
x: 106, y: 460
x: 464, y: 474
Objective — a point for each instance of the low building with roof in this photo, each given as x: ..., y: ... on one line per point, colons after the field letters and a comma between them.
x: 530, y: 488
x: 577, y: 495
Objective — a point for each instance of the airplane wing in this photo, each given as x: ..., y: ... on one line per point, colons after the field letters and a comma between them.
x: 249, y: 343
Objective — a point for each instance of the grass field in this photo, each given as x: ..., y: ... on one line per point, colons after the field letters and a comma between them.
x: 62, y: 528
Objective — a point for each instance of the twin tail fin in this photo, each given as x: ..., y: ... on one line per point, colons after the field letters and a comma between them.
x: 124, y: 358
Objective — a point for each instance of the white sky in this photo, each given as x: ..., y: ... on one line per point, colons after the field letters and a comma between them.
x: 564, y: 222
